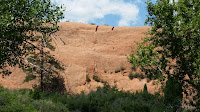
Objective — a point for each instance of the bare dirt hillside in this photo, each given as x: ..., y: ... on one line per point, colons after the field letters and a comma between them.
x: 85, y: 51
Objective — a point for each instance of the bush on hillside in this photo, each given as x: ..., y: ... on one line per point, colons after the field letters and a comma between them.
x: 96, y: 78
x: 131, y: 76
x: 88, y: 78
x: 92, y: 23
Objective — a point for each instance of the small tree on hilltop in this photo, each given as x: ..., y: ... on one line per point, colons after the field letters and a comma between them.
x: 172, y: 51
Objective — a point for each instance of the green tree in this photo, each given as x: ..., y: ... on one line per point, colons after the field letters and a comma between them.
x: 172, y: 49
x: 25, y: 24
x: 145, y: 90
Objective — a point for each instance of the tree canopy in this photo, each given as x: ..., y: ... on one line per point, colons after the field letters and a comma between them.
x: 172, y: 48
x: 25, y: 28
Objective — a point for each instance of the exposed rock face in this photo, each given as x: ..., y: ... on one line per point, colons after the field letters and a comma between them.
x: 85, y: 51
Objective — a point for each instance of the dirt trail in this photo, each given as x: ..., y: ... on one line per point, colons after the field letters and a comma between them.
x: 85, y: 51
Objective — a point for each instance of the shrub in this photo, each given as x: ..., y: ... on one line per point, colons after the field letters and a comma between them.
x: 92, y: 23
x: 131, y: 76
x: 145, y: 89
x: 110, y: 99
x: 133, y: 68
x: 118, y: 70
x: 96, y: 78
x: 122, y: 68
x: 36, y: 95
x: 88, y: 78
x: 11, y: 102
x: 148, y: 80
x: 173, y: 93
x: 48, y: 106
x: 139, y: 75
x: 105, y: 99
x: 102, y: 81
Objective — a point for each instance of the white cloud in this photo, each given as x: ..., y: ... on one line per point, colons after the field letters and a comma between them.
x: 171, y: 1
x: 88, y: 10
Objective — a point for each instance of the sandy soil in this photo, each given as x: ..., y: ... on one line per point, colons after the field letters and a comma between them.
x: 85, y: 51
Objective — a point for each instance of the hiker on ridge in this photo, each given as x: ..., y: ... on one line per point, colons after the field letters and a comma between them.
x: 97, y: 28
x: 113, y: 28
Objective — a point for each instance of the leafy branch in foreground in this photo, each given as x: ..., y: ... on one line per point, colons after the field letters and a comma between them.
x: 172, y: 51
x: 25, y: 30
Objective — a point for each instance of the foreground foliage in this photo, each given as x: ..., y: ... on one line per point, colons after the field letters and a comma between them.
x: 26, y: 27
x: 172, y: 51
x: 105, y: 99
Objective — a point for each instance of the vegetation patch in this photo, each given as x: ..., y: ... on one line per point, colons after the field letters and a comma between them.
x: 154, y: 82
x: 92, y: 23
x: 104, y: 82
x: 96, y: 78
x: 131, y: 76
x: 122, y: 68
x: 139, y: 75
x: 105, y: 99
x: 117, y: 71
x: 88, y: 78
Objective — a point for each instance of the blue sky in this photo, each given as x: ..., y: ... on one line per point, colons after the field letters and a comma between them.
x: 109, y: 12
